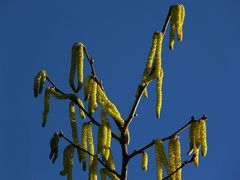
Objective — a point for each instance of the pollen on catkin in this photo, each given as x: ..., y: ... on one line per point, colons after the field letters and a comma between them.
x: 77, y: 64
x: 93, y: 169
x: 203, y: 136
x: 67, y: 162
x: 46, y: 105
x: 159, y: 94
x: 144, y: 161
x: 158, y: 143
x: 171, y: 156
x: 177, y: 153
x: 84, y: 145
x: 81, y: 112
x: 90, y: 141
x: 74, y: 128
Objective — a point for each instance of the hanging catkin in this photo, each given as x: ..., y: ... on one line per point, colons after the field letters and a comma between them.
x: 39, y: 82
x: 74, y: 128
x: 67, y: 162
x: 77, y: 64
x: 158, y: 152
x: 90, y: 141
x: 144, y: 161
x: 92, y: 101
x: 177, y: 153
x: 86, y: 87
x: 171, y: 155
x: 93, y: 169
x: 54, y: 147
x: 203, y: 136
x: 84, y: 145
x: 159, y: 94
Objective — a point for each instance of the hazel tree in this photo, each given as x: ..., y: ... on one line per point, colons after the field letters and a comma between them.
x: 97, y: 150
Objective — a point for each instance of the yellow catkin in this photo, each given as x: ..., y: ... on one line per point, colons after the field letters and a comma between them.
x: 158, y: 162
x: 39, y: 82
x: 77, y: 64
x: 67, y: 162
x: 150, y: 61
x: 92, y: 102
x: 46, y: 105
x: 90, y: 141
x: 171, y: 156
x: 81, y: 112
x: 86, y: 87
x: 99, y: 139
x: 196, y: 142
x: 144, y: 161
x: 177, y: 153
x: 191, y: 137
x: 80, y: 61
x: 109, y: 107
x: 84, y: 145
x: 176, y: 23
x: 203, y: 136
x: 159, y: 94
x: 93, y: 169
x: 74, y: 128
x: 110, y: 164
x: 42, y: 80
x: 54, y: 147
x: 162, y: 155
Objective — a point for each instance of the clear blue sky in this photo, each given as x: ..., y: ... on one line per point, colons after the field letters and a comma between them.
x: 201, y: 76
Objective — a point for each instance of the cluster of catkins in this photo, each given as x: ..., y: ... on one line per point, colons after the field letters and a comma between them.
x: 95, y: 95
x: 197, y: 135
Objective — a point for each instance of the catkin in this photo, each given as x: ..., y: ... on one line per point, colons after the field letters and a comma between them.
x: 203, y: 136
x: 109, y: 107
x: 176, y: 23
x: 54, y: 147
x: 84, y: 145
x: 103, y: 173
x: 171, y: 155
x: 39, y: 82
x: 144, y: 161
x: 74, y: 128
x: 92, y: 102
x: 158, y: 143
x: 46, y: 105
x: 67, y: 162
x: 77, y: 64
x: 150, y: 61
x: 86, y: 87
x: 177, y: 153
x: 90, y: 141
x: 93, y: 169
x: 159, y: 94
x: 81, y: 112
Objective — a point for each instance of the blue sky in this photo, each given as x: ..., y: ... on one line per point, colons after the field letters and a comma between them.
x: 201, y: 76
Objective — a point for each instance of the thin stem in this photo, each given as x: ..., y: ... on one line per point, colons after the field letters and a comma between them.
x: 142, y: 87
x: 185, y: 163
x: 61, y: 134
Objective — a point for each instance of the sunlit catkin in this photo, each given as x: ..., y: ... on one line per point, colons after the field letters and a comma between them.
x: 86, y: 87
x: 74, y: 128
x: 158, y: 152
x: 81, y: 112
x: 162, y: 155
x: 171, y: 156
x: 176, y: 23
x: 93, y: 169
x: 77, y: 64
x: 203, y: 136
x: 39, y: 82
x: 144, y: 161
x: 42, y: 80
x: 90, y: 141
x: 177, y: 153
x: 159, y: 94
x: 84, y: 145
x: 150, y: 61
x: 46, y: 105
x: 67, y: 162
x: 191, y: 137
x: 92, y: 102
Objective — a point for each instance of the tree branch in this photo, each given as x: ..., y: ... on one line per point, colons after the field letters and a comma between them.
x: 76, y: 102
x: 135, y: 152
x: 142, y: 87
x: 61, y: 134
x: 185, y: 163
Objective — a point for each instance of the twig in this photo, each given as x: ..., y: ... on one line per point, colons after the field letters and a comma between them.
x: 135, y: 152
x: 76, y: 102
x: 185, y: 163
x: 142, y: 87
x: 61, y: 134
